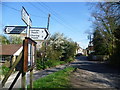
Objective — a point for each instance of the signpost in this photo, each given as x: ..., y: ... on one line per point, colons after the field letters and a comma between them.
x: 36, y: 34
x: 29, y: 47
x: 39, y: 34
x: 15, y: 29
x: 26, y: 17
x: 27, y: 20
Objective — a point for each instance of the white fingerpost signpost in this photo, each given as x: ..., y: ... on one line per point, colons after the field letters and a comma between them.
x: 15, y: 29
x: 29, y: 47
x: 39, y: 34
x: 28, y: 42
x: 27, y: 20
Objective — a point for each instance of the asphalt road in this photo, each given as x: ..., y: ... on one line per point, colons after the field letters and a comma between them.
x: 94, y: 74
x: 87, y: 72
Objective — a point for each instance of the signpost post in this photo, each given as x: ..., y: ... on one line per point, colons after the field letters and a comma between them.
x: 28, y: 22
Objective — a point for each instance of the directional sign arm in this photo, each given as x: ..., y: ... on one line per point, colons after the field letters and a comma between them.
x: 46, y: 34
x: 38, y: 33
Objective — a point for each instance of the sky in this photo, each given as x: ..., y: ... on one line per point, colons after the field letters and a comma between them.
x: 69, y: 18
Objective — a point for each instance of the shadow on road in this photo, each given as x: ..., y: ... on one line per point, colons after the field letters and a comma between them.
x: 103, y: 74
x: 94, y: 66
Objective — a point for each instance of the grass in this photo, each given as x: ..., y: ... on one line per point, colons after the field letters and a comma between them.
x: 58, y: 79
x: 4, y: 70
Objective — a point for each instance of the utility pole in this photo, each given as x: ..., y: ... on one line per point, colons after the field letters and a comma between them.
x: 48, y: 21
x: 46, y: 41
x: 90, y: 40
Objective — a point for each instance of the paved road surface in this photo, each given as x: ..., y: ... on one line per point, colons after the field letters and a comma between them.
x: 94, y: 74
x: 89, y: 74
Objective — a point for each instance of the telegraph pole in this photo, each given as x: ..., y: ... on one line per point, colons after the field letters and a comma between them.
x: 90, y: 40
x: 46, y: 41
x: 48, y: 21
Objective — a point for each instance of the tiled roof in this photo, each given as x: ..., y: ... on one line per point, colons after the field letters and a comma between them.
x: 9, y: 49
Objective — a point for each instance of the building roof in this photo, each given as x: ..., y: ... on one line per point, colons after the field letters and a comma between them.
x: 9, y: 49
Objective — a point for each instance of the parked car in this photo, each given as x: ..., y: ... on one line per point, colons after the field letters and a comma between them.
x: 79, y: 54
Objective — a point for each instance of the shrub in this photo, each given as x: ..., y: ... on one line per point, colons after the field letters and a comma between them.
x: 4, y: 70
x: 58, y: 49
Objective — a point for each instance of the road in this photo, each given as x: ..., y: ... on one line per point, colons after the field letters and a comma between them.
x: 89, y: 74
x: 94, y: 74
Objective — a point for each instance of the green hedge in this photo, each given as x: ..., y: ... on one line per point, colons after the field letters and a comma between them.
x: 47, y: 64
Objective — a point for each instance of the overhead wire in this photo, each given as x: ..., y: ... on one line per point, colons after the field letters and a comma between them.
x: 46, y: 13
x: 51, y: 10
x: 55, y: 14
x: 55, y: 19
x: 10, y: 7
x: 63, y: 24
x: 37, y: 8
x: 20, y: 11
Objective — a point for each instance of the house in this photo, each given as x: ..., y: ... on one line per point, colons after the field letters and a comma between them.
x: 80, y: 50
x: 9, y: 53
x: 90, y: 48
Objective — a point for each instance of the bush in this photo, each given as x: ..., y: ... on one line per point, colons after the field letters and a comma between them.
x: 70, y: 60
x: 4, y: 70
x: 42, y: 64
x: 58, y: 49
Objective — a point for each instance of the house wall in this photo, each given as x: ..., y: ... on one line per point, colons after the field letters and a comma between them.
x: 7, y: 60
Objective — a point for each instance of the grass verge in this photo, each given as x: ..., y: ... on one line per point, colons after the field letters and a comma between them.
x: 58, y: 79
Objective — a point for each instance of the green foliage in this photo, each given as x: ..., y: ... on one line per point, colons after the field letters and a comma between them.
x: 100, y: 46
x: 106, y: 21
x: 15, y: 40
x: 115, y: 57
x: 42, y: 64
x: 107, y: 27
x: 4, y: 70
x: 4, y: 40
x: 58, y: 79
x: 10, y: 40
x: 58, y: 49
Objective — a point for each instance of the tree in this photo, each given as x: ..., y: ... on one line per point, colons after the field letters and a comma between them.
x: 58, y: 49
x: 4, y: 40
x: 100, y: 47
x: 15, y: 39
x: 106, y: 21
x: 115, y: 58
